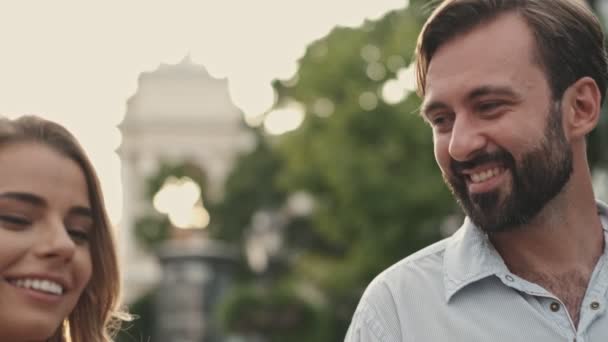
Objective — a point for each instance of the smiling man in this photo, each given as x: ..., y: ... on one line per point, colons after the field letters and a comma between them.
x: 510, y: 88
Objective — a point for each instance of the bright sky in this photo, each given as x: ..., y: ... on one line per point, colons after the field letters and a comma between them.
x: 77, y: 62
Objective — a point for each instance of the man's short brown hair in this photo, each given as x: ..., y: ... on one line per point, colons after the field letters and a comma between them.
x: 569, y: 38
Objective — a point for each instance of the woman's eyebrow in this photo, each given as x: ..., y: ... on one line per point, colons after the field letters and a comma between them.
x: 24, y: 197
x: 38, y: 201
x: 81, y: 211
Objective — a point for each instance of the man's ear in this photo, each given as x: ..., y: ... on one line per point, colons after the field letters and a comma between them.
x: 581, y: 108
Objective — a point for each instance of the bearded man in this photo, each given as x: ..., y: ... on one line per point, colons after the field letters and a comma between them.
x: 510, y: 88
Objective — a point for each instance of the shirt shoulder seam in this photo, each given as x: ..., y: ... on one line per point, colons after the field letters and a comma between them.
x: 374, y: 325
x: 432, y: 250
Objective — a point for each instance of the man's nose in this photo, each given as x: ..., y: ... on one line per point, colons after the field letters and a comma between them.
x: 467, y: 139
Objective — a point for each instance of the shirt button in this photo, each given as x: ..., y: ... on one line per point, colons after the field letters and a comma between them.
x: 554, y: 306
x: 509, y: 278
x: 595, y: 305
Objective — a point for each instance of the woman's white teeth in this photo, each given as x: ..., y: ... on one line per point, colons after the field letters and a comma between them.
x: 39, y: 285
x: 485, y: 175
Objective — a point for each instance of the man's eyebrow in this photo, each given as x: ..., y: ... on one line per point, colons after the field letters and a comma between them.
x: 492, y: 90
x: 24, y: 197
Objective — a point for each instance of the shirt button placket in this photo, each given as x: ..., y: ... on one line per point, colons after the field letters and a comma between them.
x: 560, y: 316
x: 594, y: 305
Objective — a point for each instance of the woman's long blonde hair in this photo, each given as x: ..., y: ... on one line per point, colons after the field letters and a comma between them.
x: 96, y: 317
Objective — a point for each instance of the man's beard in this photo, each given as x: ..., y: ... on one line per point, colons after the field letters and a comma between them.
x: 538, y: 178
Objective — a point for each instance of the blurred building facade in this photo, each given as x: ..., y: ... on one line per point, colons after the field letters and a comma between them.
x: 179, y: 112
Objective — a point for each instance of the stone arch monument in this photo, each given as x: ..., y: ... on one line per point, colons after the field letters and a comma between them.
x: 179, y: 112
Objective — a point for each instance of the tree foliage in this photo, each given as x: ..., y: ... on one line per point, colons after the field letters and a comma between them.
x: 251, y: 186
x: 370, y: 169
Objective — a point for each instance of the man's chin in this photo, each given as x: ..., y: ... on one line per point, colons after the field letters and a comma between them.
x: 486, y: 201
x: 486, y: 211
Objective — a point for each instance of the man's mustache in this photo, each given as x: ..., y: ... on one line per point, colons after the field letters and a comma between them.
x: 500, y: 157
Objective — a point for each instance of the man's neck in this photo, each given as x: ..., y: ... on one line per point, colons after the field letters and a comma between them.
x: 567, y: 234
x: 559, y: 249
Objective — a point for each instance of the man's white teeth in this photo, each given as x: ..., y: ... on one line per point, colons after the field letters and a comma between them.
x: 39, y: 285
x: 485, y: 175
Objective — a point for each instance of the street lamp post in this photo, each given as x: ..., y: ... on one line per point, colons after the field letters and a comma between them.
x: 196, y: 275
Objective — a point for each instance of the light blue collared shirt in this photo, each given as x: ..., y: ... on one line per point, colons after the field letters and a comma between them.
x: 459, y: 289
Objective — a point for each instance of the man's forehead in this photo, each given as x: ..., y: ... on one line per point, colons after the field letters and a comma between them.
x: 498, y: 39
x: 494, y: 54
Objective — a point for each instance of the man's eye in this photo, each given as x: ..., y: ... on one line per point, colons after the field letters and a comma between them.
x: 488, y: 106
x: 440, y: 121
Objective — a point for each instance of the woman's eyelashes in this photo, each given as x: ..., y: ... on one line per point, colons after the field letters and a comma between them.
x: 14, y: 221
x: 79, y: 235
x: 79, y: 228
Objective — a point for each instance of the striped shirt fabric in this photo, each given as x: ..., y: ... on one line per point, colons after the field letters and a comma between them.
x: 459, y: 289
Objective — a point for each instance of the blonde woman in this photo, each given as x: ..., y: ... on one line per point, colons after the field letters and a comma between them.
x: 59, y: 278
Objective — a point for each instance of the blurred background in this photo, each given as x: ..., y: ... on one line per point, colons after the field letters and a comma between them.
x: 261, y: 160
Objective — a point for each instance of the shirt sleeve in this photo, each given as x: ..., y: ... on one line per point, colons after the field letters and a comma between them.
x: 367, y: 326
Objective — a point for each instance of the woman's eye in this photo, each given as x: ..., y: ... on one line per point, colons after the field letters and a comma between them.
x: 78, y: 235
x: 14, y: 220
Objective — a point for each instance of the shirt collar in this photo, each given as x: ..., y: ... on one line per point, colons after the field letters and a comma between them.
x: 470, y: 256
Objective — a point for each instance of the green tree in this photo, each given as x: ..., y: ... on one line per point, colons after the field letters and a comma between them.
x: 368, y: 165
